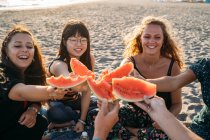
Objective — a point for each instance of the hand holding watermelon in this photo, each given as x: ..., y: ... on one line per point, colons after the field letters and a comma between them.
x: 55, y: 93
x: 111, y: 85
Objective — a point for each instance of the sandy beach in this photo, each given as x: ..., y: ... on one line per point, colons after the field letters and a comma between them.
x: 109, y: 22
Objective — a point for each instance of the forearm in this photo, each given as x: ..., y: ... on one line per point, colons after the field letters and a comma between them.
x: 176, y: 109
x: 99, y: 135
x: 164, y: 84
x: 21, y: 92
x: 173, y: 128
x: 85, y: 104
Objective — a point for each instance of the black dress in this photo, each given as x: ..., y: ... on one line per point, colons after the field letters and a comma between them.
x: 10, y: 111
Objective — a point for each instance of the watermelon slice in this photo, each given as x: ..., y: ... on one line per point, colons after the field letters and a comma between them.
x: 66, y: 82
x: 132, y: 89
x: 103, y: 73
x: 102, y: 89
x: 80, y: 69
x: 119, y: 72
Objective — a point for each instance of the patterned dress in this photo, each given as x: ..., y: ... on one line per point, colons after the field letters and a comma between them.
x: 201, y: 122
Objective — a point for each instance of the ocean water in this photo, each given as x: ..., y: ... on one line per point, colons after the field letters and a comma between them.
x: 30, y: 4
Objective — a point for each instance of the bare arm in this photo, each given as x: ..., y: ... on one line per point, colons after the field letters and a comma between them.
x: 156, y: 108
x: 105, y: 119
x: 176, y: 98
x: 92, y: 58
x: 59, y: 68
x: 85, y: 104
x: 171, y: 83
x: 22, y: 92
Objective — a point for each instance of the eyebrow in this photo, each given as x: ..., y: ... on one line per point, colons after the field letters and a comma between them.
x: 21, y: 42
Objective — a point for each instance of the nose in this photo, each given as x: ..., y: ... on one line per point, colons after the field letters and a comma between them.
x: 78, y: 42
x: 24, y: 49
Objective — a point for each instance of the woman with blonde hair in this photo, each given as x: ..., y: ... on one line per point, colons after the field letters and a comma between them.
x: 154, y: 52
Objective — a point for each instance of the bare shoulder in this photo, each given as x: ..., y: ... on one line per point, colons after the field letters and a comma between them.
x: 59, y: 67
x: 124, y: 61
x: 175, y: 69
x: 57, y: 63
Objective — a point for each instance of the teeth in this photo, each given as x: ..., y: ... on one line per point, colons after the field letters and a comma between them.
x: 23, y: 56
x: 151, y: 47
x: 78, y: 49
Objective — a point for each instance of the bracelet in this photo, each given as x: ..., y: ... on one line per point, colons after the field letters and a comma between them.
x: 95, y: 138
x: 82, y: 122
x: 33, y: 108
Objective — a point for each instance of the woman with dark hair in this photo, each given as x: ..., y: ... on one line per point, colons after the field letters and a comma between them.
x: 21, y: 71
x: 75, y: 43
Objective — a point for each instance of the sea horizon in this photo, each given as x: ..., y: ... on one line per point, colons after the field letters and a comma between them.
x: 33, y: 4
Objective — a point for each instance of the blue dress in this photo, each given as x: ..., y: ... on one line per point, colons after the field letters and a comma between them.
x: 201, y: 122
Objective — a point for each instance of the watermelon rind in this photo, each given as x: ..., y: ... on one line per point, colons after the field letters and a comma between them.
x: 122, y: 87
x: 66, y: 82
x: 80, y: 69
x: 99, y: 91
x: 119, y: 72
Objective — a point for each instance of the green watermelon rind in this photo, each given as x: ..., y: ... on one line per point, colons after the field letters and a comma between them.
x: 65, y: 78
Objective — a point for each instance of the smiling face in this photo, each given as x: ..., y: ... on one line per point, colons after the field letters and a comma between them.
x: 21, y: 50
x: 152, y: 39
x: 76, y: 46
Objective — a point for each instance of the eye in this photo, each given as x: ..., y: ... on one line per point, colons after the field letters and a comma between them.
x: 30, y: 47
x: 83, y: 40
x: 146, y: 36
x: 73, y: 40
x: 17, y: 46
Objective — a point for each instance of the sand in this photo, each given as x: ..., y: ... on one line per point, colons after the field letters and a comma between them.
x: 110, y: 21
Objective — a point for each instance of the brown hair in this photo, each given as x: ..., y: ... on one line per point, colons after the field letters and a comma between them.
x: 72, y: 28
x: 170, y: 49
x: 35, y: 73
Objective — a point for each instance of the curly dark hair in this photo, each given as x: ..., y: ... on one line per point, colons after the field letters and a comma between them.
x: 35, y: 73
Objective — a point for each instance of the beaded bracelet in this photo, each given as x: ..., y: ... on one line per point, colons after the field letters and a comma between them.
x: 82, y: 122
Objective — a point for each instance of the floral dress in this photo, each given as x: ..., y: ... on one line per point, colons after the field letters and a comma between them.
x: 201, y: 122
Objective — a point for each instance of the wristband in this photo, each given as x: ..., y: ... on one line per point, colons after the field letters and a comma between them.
x: 95, y: 138
x: 33, y: 108
x: 82, y: 122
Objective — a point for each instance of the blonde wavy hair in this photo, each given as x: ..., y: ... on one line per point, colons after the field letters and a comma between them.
x: 170, y: 49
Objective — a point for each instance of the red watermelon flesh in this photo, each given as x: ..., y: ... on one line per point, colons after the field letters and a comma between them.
x: 79, y: 68
x: 132, y: 89
x: 103, y: 73
x: 119, y: 72
x: 66, y: 82
x: 102, y: 89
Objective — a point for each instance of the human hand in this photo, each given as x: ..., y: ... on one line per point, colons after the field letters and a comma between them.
x: 56, y: 93
x: 79, y: 127
x: 153, y: 106
x: 28, y: 118
x: 81, y: 87
x: 106, y: 118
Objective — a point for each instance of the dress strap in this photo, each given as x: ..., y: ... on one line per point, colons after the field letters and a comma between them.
x: 134, y: 64
x: 170, y: 67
